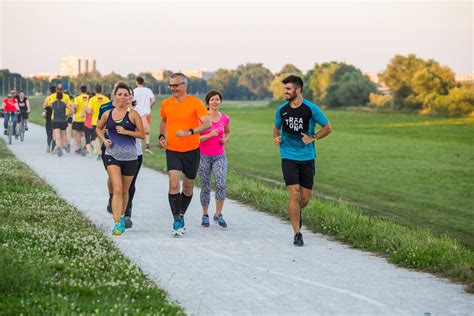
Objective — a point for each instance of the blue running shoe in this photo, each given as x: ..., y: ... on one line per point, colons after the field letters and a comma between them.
x: 176, y: 232
x: 117, y: 230
x: 205, y: 221
x: 183, y: 228
x: 220, y: 220
x: 122, y: 224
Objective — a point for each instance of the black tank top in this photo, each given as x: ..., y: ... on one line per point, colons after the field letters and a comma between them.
x: 22, y: 104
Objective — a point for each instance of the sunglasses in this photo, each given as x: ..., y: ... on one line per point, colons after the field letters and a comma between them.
x: 172, y: 86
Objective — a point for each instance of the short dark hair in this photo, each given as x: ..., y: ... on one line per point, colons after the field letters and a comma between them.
x: 212, y: 93
x: 59, y: 96
x: 21, y: 91
x: 121, y: 85
x: 140, y: 80
x: 52, y: 89
x: 295, y: 80
x: 83, y: 89
x: 98, y: 88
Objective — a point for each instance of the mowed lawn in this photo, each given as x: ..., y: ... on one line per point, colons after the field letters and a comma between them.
x: 411, y: 169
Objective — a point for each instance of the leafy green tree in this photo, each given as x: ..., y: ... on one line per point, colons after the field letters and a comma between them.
x: 459, y: 101
x: 226, y: 81
x: 415, y: 83
x: 289, y: 69
x: 340, y: 84
x: 256, y: 79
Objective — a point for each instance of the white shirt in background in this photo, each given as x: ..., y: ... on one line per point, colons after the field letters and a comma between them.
x: 143, y: 96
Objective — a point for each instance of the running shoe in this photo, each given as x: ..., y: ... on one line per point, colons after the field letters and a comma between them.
x: 183, y: 228
x: 205, y: 221
x: 26, y: 127
x: 298, y: 240
x: 117, y: 230
x: 83, y: 151
x: 60, y: 152
x: 122, y: 222
x: 177, y: 232
x: 77, y: 151
x: 68, y: 148
x: 48, y: 149
x: 128, y: 222
x: 5, y: 132
x: 220, y: 221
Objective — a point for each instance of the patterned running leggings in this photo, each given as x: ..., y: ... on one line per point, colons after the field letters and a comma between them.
x: 218, y: 166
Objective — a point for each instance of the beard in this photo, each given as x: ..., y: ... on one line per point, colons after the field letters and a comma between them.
x: 290, y: 97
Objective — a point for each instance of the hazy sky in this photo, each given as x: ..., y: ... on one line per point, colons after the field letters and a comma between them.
x: 137, y: 36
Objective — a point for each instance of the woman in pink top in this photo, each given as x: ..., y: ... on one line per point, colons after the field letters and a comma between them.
x: 213, y: 159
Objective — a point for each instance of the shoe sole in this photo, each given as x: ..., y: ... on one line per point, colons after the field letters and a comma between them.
x: 176, y: 234
x: 116, y: 233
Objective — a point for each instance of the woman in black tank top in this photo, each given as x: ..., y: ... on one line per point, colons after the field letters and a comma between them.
x: 124, y: 126
x: 24, y: 105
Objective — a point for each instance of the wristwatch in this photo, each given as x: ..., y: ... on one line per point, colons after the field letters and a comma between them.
x: 191, y: 131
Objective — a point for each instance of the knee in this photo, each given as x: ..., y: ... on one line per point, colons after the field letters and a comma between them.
x: 304, y: 202
x: 294, y: 194
x: 174, y: 186
x: 117, y: 190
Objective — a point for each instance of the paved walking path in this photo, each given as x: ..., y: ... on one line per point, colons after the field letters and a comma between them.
x: 251, y: 268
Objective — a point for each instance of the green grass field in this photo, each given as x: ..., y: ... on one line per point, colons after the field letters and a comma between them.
x: 413, y: 170
x: 53, y: 261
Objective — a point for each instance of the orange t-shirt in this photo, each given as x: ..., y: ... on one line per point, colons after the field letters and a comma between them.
x: 182, y: 116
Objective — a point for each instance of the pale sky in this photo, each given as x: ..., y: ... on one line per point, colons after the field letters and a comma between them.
x: 133, y: 36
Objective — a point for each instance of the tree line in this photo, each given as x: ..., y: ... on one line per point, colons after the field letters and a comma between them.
x: 412, y: 83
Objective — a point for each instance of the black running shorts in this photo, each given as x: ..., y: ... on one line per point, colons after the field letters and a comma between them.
x: 187, y: 162
x: 298, y: 172
x: 128, y: 168
x: 69, y: 120
x: 61, y: 125
x: 78, y: 126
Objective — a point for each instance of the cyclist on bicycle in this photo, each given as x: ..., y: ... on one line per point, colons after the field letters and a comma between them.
x: 24, y: 105
x: 10, y: 107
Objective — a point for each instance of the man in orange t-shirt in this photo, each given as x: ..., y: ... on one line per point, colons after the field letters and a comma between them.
x: 183, y: 117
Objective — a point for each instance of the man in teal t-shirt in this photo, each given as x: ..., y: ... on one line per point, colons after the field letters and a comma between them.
x: 294, y: 132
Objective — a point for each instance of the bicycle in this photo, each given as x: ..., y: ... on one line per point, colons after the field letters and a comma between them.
x: 22, y: 127
x: 10, y: 127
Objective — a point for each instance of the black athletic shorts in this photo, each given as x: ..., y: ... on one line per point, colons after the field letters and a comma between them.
x: 89, y: 134
x: 69, y: 120
x: 61, y: 125
x: 23, y: 115
x: 78, y: 126
x: 128, y: 168
x: 298, y: 172
x: 187, y: 162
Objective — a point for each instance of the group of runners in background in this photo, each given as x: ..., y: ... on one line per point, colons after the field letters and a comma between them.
x: 194, y: 136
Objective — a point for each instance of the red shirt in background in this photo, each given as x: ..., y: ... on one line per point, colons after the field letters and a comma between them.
x: 9, y: 105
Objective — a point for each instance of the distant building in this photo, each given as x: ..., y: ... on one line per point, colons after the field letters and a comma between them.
x: 465, y: 78
x: 201, y: 74
x: 73, y: 66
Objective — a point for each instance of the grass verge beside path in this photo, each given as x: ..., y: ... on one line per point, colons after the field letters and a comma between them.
x: 54, y: 261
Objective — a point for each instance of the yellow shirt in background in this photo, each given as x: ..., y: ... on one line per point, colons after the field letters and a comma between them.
x: 81, y: 101
x: 94, y: 104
